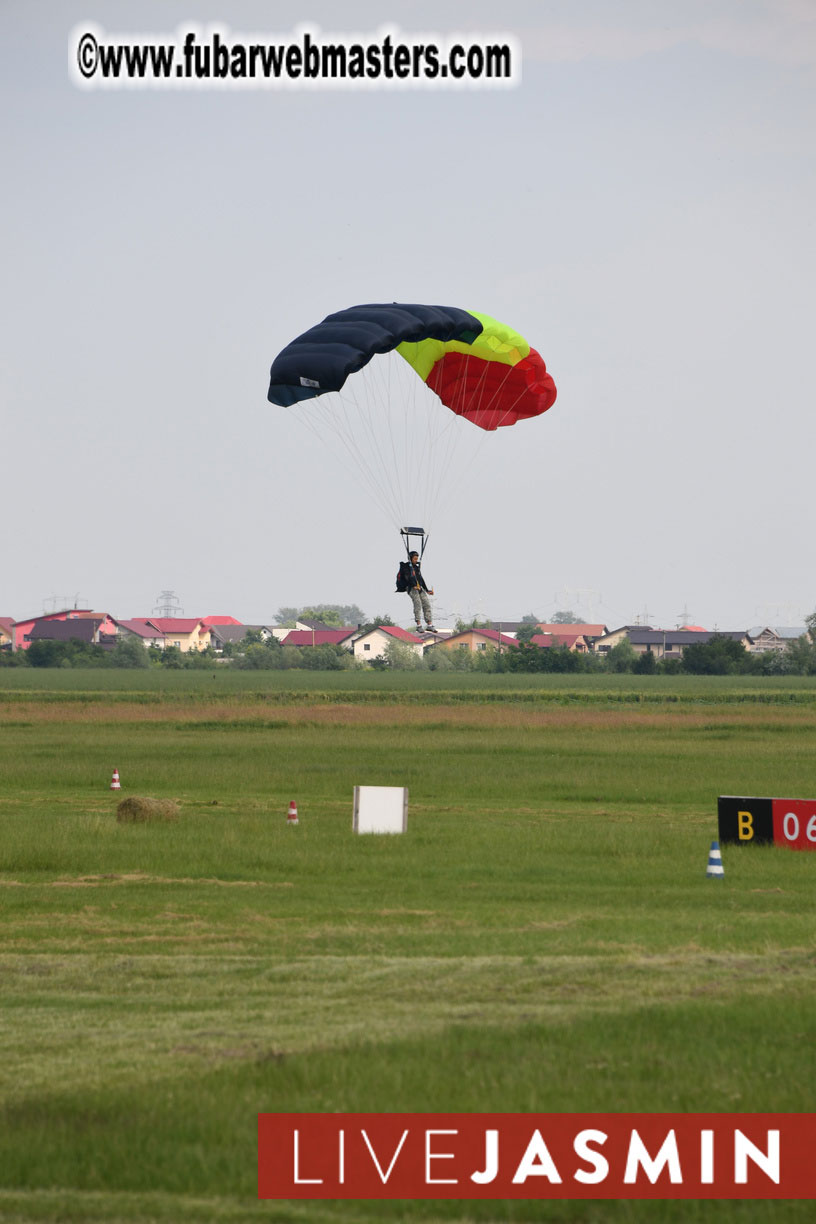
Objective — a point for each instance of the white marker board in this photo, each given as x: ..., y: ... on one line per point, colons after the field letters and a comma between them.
x: 380, y: 809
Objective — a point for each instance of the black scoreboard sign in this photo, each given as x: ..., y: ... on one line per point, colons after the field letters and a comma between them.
x: 776, y: 822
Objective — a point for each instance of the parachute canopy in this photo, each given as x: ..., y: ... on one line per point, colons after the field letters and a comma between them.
x: 481, y: 369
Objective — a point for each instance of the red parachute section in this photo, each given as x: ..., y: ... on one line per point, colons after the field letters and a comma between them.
x: 491, y: 394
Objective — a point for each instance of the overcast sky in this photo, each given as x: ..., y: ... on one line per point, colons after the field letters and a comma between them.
x: 641, y: 207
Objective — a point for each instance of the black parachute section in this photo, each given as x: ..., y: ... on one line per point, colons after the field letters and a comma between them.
x: 322, y: 358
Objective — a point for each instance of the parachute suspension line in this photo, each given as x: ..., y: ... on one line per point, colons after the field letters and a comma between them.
x: 374, y: 398
x: 459, y: 428
x: 397, y: 474
x: 441, y: 447
x: 404, y: 465
x: 363, y: 425
x: 477, y: 460
x: 348, y: 420
x: 399, y: 442
x: 422, y: 536
x: 420, y: 440
x: 421, y: 427
x: 374, y: 428
x: 399, y: 447
x: 433, y: 437
x: 362, y: 473
x: 449, y: 444
x: 391, y: 416
x: 402, y: 416
x: 319, y: 419
x: 398, y: 398
x: 427, y: 438
x: 467, y: 470
x: 351, y: 417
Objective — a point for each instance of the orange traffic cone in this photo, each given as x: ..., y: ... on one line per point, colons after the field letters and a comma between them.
x: 292, y: 816
x: 115, y: 783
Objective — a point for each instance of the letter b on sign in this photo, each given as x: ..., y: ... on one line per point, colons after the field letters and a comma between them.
x: 745, y: 820
x: 745, y: 826
x: 780, y: 822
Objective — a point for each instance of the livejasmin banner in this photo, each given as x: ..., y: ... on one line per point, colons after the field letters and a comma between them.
x: 536, y: 1156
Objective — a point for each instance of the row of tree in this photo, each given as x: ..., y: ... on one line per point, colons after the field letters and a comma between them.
x: 343, y: 615
x: 130, y: 653
x: 719, y: 656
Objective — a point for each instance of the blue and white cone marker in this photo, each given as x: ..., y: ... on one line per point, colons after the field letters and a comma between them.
x: 714, y: 871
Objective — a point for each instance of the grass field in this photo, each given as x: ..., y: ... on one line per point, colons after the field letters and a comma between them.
x: 542, y: 939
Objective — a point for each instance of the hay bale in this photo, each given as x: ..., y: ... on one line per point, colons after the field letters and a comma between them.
x: 136, y: 809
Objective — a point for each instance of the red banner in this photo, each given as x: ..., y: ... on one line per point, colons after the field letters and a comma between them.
x: 794, y: 823
x: 536, y: 1156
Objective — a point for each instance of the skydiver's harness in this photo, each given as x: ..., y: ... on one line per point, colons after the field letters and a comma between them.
x: 407, y: 576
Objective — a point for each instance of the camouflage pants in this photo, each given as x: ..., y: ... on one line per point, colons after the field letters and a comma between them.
x: 422, y: 603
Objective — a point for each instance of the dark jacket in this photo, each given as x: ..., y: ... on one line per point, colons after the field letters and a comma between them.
x: 412, y: 575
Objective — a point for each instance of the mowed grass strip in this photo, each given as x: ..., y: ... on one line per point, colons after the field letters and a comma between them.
x: 514, y: 760
x: 196, y: 1136
x: 249, y: 711
x: 161, y: 1019
x: 204, y: 685
x: 542, y: 938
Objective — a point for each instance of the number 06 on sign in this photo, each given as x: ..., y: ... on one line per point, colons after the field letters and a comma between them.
x: 777, y: 822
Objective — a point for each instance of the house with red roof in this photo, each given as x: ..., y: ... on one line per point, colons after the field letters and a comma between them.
x: 572, y: 641
x: 86, y: 629
x: 26, y: 631
x: 302, y: 624
x: 476, y: 640
x: 142, y: 629
x: 185, y: 633
x: 318, y: 637
x: 588, y: 632
x: 374, y: 643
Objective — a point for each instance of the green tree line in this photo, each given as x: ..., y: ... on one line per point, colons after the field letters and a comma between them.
x: 720, y: 656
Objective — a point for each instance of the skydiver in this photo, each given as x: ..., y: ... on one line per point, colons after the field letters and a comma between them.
x: 419, y: 592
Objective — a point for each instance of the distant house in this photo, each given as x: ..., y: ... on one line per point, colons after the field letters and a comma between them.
x: 6, y: 632
x: 219, y: 620
x: 476, y: 640
x: 670, y: 643
x: 373, y: 644
x: 509, y: 627
x: 148, y: 634
x: 572, y: 641
x: 590, y: 633
x: 603, y: 644
x: 185, y: 633
x: 24, y: 630
x: 222, y: 635
x: 74, y: 629
x: 774, y: 637
x: 281, y: 631
x: 317, y: 637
